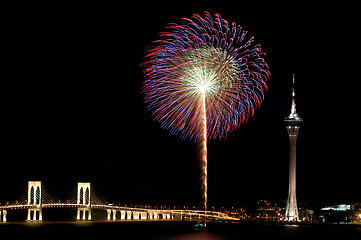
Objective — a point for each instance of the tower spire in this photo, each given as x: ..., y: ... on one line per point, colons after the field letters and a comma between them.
x: 293, y: 114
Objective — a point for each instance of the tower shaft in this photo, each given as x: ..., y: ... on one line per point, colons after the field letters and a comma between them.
x: 293, y: 122
x: 292, y: 209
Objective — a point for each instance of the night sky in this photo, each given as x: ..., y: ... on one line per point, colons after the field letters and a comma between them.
x: 72, y: 108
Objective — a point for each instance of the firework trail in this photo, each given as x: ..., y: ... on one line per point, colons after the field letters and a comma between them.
x: 204, y: 79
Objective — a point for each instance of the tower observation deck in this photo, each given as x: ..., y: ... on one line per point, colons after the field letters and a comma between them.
x: 293, y: 124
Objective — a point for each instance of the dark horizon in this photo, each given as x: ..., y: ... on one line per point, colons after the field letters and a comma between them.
x: 73, y: 108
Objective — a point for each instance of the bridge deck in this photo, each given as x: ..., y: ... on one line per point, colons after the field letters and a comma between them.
x: 190, y: 213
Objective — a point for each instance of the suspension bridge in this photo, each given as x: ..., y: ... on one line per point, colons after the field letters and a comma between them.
x: 37, y: 197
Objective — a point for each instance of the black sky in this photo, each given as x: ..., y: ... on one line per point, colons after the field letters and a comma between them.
x: 72, y: 107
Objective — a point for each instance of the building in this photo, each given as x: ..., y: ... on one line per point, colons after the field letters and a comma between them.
x: 356, y: 213
x: 268, y: 211
x: 341, y: 214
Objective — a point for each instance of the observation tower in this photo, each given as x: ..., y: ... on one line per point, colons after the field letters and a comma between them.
x: 293, y: 122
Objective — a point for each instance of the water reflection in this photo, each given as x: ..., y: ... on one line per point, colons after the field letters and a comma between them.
x: 292, y: 225
x: 198, y: 236
x: 174, y: 230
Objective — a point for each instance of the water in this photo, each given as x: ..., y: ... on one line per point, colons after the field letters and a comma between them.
x: 174, y: 230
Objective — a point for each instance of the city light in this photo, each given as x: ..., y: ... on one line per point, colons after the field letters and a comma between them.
x: 341, y: 207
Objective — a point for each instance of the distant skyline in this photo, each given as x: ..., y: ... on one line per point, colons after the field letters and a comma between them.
x: 73, y: 108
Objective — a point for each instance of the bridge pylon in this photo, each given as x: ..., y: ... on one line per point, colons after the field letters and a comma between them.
x: 3, y: 213
x: 83, y: 198
x: 34, y: 201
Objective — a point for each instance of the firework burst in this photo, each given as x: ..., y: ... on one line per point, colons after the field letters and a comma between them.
x: 204, y: 79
